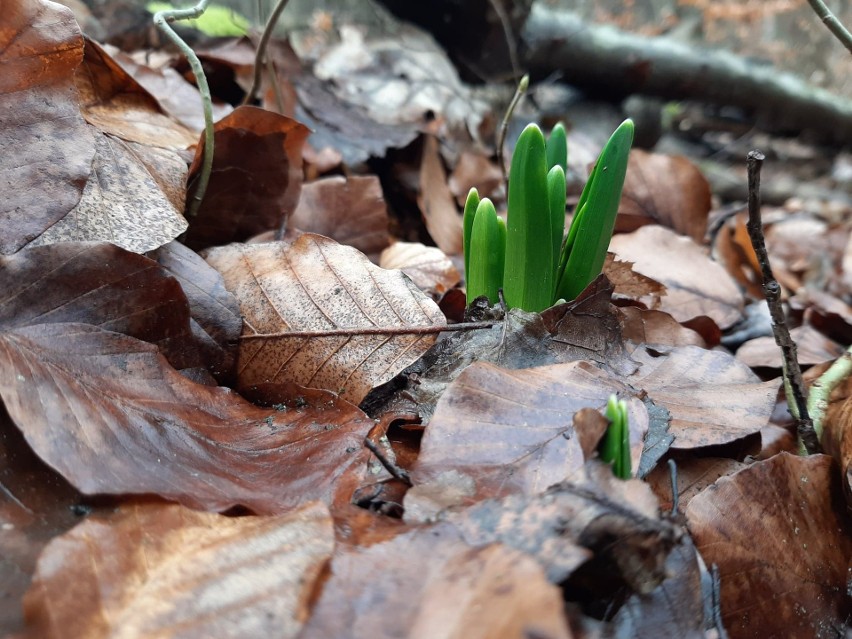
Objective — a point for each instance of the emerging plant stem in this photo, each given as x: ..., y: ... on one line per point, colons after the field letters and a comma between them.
x: 834, y: 25
x: 163, y: 19
x: 261, y: 49
x: 793, y: 385
x: 523, y: 85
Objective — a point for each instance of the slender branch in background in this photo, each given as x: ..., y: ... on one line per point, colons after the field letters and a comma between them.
x: 834, y: 25
x: 675, y: 493
x: 511, y: 45
x: 376, y: 330
x: 523, y: 85
x: 821, y: 389
x: 793, y: 384
x: 163, y: 19
x: 261, y: 49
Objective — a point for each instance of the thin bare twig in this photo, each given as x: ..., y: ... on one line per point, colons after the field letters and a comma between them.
x: 511, y: 45
x: 834, y: 25
x: 376, y: 330
x: 261, y: 49
x: 675, y: 493
x: 163, y: 19
x: 523, y: 85
x: 793, y: 384
x: 391, y: 466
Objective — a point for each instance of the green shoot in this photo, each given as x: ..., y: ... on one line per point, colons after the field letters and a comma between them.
x: 557, y: 148
x: 487, y: 250
x: 469, y: 212
x: 528, y: 278
x: 615, y: 445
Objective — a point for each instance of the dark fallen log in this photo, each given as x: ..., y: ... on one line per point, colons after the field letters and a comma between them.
x: 603, y: 58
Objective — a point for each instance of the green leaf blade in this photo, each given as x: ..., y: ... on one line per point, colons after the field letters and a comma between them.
x: 528, y: 278
x: 593, y: 229
x: 487, y: 252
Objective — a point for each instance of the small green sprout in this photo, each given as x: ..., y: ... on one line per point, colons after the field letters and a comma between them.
x: 615, y: 445
x: 540, y: 267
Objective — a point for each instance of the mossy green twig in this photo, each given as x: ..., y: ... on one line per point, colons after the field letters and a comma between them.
x: 821, y: 389
x: 163, y: 19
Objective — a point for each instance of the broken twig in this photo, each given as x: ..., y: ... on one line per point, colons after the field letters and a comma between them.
x: 523, y: 85
x: 261, y: 49
x: 376, y: 330
x: 794, y: 387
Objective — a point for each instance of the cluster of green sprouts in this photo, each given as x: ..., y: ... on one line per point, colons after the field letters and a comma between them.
x: 527, y: 257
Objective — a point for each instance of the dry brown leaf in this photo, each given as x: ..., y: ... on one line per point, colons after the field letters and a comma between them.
x: 781, y: 536
x: 656, y: 328
x: 475, y: 170
x: 122, y: 203
x: 713, y: 399
x: 116, y: 104
x: 46, y: 149
x: 439, y: 587
x: 427, y: 266
x: 113, y: 417
x: 610, y: 525
x: 512, y: 431
x: 627, y: 282
x: 102, y: 285
x: 36, y: 505
x: 812, y: 347
x: 436, y: 201
x: 667, y: 190
x: 256, y: 178
x: 351, y: 211
x: 175, y: 96
x: 694, y: 474
x: 154, y: 570
x: 215, y: 313
x: 695, y: 285
x: 316, y: 284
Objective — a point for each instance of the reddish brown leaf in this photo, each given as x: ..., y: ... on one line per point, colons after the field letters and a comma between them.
x: 627, y: 282
x: 108, y: 413
x: 439, y: 586
x: 102, y: 285
x: 351, y: 211
x: 781, y: 536
x: 436, y: 201
x: 667, y: 190
x: 713, y: 399
x: 316, y: 284
x: 46, y: 149
x: 694, y: 474
x: 175, y: 96
x: 116, y: 104
x: 427, y: 266
x: 36, y: 504
x: 695, y: 285
x: 216, y: 322
x: 256, y: 179
x: 513, y: 431
x: 155, y: 570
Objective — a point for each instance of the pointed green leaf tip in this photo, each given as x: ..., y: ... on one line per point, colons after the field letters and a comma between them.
x: 557, y: 148
x: 487, y: 251
x: 591, y: 230
x: 469, y: 213
x: 528, y: 278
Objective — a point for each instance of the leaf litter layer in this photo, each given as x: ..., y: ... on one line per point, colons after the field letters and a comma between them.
x: 109, y: 362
